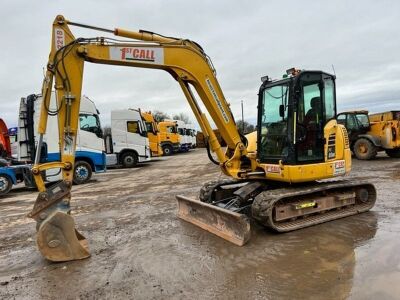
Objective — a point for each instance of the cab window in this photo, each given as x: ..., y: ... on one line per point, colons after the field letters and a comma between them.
x: 149, y: 127
x: 90, y: 123
x: 171, y: 129
x: 133, y: 127
x: 341, y: 119
x: 351, y: 123
x: 363, y: 120
x: 315, y: 109
x: 273, y: 141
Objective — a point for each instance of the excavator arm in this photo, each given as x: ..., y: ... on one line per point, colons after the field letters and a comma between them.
x: 185, y: 60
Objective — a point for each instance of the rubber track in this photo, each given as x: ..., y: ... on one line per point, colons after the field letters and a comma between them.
x: 263, y: 205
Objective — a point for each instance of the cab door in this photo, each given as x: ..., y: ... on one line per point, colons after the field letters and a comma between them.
x: 316, y: 105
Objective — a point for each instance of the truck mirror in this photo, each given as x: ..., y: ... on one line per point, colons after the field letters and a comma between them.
x: 99, y: 132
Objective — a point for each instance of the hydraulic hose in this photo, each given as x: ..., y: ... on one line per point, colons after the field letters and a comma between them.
x: 210, y: 155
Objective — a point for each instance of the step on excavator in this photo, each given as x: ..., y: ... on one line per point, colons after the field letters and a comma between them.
x: 279, y: 174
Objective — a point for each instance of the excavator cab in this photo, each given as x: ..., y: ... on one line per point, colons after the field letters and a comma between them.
x: 292, y: 115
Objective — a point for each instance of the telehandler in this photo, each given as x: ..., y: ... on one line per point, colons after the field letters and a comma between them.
x: 298, y: 143
x: 372, y: 133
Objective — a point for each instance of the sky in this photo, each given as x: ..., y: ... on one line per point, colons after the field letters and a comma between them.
x: 245, y: 40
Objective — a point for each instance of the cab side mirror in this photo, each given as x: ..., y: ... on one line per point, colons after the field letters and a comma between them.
x: 99, y: 132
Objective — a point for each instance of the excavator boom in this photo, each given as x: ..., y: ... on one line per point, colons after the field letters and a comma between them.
x: 58, y: 240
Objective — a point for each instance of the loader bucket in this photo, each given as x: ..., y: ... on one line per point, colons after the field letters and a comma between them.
x: 231, y: 226
x: 58, y: 240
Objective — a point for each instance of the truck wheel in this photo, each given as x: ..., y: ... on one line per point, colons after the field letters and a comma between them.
x: 364, y: 149
x: 82, y: 172
x: 5, y: 184
x: 395, y: 153
x: 167, y: 150
x: 129, y: 160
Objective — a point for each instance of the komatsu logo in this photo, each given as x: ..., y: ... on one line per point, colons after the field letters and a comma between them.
x: 138, y: 54
x: 219, y: 104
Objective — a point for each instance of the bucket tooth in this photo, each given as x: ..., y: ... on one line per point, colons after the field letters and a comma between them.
x: 229, y: 225
x: 58, y: 240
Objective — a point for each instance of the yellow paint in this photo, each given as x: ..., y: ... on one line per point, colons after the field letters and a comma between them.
x: 386, y: 129
x: 305, y: 205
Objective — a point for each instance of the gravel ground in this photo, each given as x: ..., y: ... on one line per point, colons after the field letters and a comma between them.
x: 141, y: 250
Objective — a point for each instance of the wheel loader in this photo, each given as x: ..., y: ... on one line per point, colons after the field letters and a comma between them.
x: 279, y: 178
x: 372, y: 133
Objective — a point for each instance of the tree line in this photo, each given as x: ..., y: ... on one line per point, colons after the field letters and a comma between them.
x: 159, y: 116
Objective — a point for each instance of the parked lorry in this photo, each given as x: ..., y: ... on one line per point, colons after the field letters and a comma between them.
x: 153, y: 134
x: 369, y: 134
x: 128, y: 143
x: 185, y: 137
x: 191, y: 132
x: 169, y: 137
x: 90, y: 155
x: 11, y: 172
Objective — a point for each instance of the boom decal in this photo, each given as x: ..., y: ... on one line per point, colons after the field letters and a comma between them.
x: 219, y: 104
x: 138, y: 54
x: 59, y: 38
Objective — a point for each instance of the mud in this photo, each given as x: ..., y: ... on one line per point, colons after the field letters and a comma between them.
x: 141, y: 250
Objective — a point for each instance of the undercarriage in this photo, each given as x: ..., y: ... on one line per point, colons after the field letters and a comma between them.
x: 226, y: 206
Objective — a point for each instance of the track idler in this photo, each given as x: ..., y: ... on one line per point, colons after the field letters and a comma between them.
x: 231, y: 226
x: 57, y: 238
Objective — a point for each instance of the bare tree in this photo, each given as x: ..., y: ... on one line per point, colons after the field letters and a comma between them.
x: 159, y: 116
x: 247, y: 127
x: 182, y: 116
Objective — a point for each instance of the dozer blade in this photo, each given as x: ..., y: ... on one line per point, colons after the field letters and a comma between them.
x: 231, y: 226
x: 58, y: 240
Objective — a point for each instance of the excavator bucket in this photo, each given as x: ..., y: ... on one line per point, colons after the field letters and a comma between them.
x: 58, y: 240
x: 229, y: 225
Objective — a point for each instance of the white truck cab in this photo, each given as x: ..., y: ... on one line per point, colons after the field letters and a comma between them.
x: 128, y: 143
x: 186, y: 143
x: 191, y: 132
x: 89, y: 155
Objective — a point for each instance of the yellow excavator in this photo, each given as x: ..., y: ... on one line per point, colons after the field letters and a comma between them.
x: 277, y: 181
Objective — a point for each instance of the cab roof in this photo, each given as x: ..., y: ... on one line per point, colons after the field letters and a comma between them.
x: 355, y: 111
